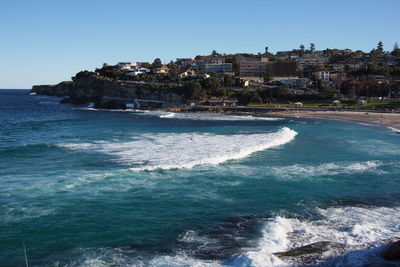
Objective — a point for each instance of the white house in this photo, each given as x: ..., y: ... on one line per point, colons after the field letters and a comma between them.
x: 162, y: 70
x: 137, y: 72
x: 187, y: 73
x: 127, y: 65
x: 298, y: 104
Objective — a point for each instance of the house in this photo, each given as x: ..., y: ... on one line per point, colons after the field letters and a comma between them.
x: 187, y: 73
x: 336, y: 102
x: 138, y: 71
x: 203, y: 76
x: 162, y: 70
x: 298, y: 104
x: 127, y: 65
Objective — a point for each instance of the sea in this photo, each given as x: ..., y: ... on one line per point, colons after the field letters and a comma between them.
x: 87, y: 187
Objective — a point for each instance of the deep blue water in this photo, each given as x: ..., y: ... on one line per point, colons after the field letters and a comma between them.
x: 105, y: 188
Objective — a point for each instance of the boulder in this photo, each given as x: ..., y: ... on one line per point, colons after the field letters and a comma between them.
x: 392, y: 252
x: 314, y: 248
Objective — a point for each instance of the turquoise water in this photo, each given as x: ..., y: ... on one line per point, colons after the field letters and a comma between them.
x: 86, y: 187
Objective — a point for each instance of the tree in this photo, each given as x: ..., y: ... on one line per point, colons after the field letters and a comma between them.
x: 302, y: 48
x: 312, y: 47
x: 214, y: 53
x: 193, y: 91
x: 396, y: 46
x: 266, y: 50
x: 396, y: 50
x: 380, y: 47
x: 157, y: 63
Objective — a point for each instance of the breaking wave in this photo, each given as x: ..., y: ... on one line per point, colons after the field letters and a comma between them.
x: 185, y: 150
x: 351, y: 228
x: 393, y: 129
x: 208, y: 116
x: 356, y: 235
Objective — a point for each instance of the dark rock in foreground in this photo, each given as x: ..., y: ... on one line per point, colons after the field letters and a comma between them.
x: 392, y: 252
x: 313, y: 253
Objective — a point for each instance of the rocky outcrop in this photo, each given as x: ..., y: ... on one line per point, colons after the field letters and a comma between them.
x: 89, y: 87
x: 61, y: 89
x: 392, y: 252
x: 312, y: 253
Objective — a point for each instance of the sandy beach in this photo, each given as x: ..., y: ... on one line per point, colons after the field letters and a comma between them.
x: 386, y: 119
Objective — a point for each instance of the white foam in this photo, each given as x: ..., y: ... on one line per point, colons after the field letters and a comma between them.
x: 116, y: 257
x: 274, y: 239
x: 393, y: 129
x: 169, y: 115
x: 208, y: 116
x: 185, y: 150
x: 326, y: 169
x: 17, y: 213
x: 351, y: 226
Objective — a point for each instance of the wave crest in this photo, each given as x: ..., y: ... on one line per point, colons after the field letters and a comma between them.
x: 186, y: 150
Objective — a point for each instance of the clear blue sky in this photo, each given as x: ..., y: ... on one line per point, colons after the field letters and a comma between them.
x: 47, y: 41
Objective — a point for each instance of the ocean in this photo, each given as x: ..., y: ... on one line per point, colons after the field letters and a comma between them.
x: 85, y: 187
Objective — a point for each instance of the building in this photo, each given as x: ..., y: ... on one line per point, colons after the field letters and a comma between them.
x: 271, y: 69
x: 197, y: 64
x: 322, y: 75
x: 224, y: 67
x: 137, y: 71
x: 252, y: 68
x: 187, y: 73
x: 222, y: 102
x: 281, y: 69
x: 162, y: 70
x: 127, y: 65
x: 296, y: 83
x: 338, y: 77
x: 298, y: 104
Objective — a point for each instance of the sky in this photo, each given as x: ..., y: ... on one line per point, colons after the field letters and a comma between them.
x: 48, y: 41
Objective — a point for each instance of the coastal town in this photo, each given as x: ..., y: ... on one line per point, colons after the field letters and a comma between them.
x: 303, y: 77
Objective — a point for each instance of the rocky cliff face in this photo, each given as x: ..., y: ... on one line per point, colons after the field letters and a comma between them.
x: 89, y: 87
x: 61, y: 89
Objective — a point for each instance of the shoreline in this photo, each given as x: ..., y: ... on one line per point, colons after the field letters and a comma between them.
x: 375, y: 118
x: 391, y: 120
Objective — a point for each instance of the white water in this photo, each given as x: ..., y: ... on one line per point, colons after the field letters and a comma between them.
x: 207, y: 116
x: 327, y: 169
x: 351, y: 226
x: 362, y: 229
x: 393, y: 129
x: 185, y: 150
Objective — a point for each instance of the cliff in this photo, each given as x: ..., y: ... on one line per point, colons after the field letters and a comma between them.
x: 61, y: 89
x: 89, y: 87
